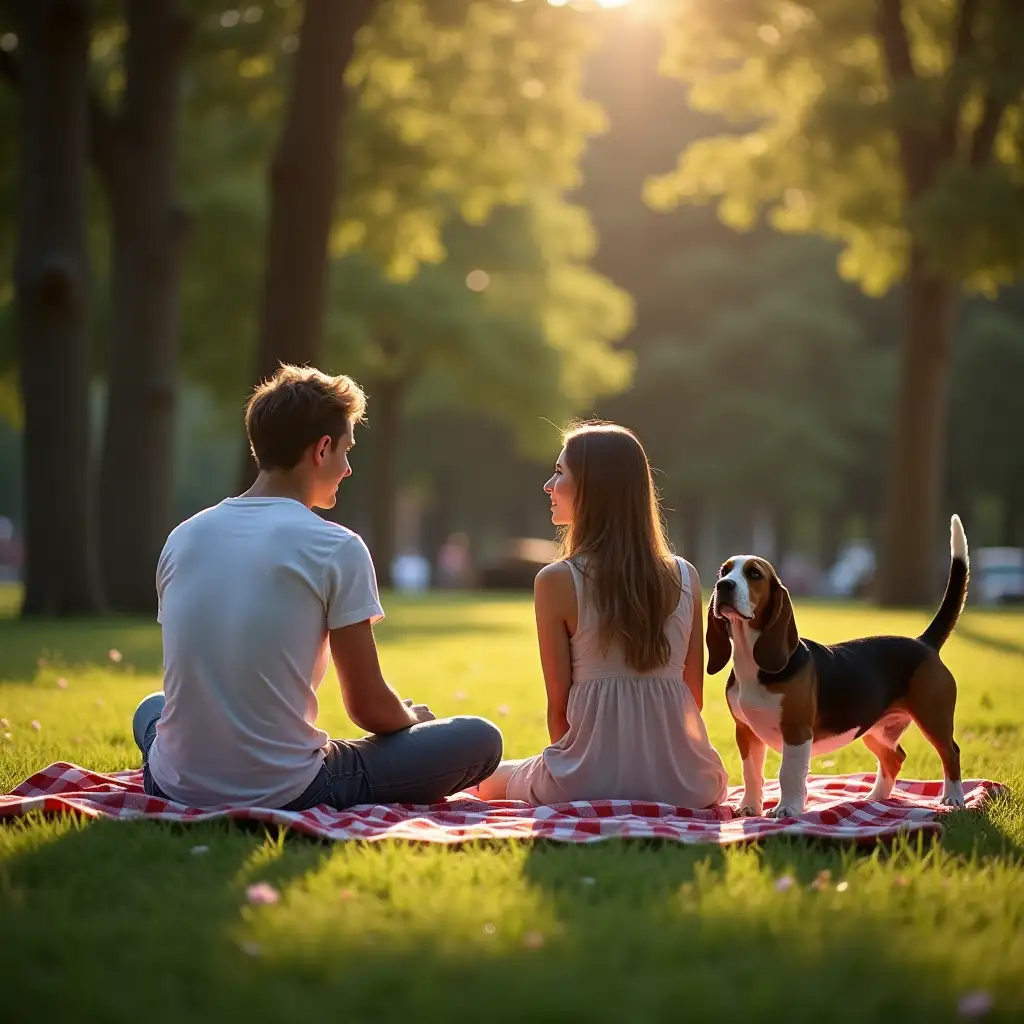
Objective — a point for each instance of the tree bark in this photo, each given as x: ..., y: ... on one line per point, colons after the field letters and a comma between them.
x: 917, y: 453
x: 51, y: 276
x: 138, y: 159
x: 830, y: 537
x: 690, y: 511
x: 303, y: 183
x: 1013, y: 521
x: 386, y: 395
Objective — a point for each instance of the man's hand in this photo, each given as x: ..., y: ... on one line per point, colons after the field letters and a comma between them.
x: 421, y: 712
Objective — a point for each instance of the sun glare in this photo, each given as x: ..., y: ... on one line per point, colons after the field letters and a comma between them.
x: 598, y: 3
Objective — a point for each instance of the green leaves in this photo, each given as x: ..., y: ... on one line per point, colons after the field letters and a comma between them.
x: 833, y: 141
x: 479, y: 110
x: 513, y: 324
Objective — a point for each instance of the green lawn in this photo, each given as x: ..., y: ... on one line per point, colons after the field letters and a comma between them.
x: 122, y: 922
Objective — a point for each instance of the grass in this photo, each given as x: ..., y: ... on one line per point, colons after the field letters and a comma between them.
x: 120, y: 921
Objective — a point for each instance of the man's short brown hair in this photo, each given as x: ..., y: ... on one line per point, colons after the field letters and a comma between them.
x: 294, y: 409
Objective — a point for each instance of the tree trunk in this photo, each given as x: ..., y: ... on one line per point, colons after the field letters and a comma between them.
x: 51, y: 276
x: 830, y: 537
x: 303, y: 182
x: 1013, y: 521
x: 386, y: 395
x: 689, y: 528
x: 140, y: 170
x: 914, y: 490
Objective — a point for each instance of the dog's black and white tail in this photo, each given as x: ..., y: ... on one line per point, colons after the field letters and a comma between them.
x: 946, y: 617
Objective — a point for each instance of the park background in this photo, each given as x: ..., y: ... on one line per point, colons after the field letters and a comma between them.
x: 783, y: 241
x: 786, y: 262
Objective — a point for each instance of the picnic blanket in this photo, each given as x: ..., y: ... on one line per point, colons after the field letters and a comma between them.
x: 837, y: 809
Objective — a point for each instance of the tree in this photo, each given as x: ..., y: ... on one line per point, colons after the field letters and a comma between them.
x: 303, y: 180
x: 986, y: 457
x: 10, y: 398
x: 775, y: 393
x: 135, y: 151
x: 513, y: 325
x: 51, y: 277
x: 474, y: 99
x: 893, y: 127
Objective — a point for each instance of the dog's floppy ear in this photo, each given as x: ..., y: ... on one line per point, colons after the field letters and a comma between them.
x: 779, y: 639
x: 719, y: 644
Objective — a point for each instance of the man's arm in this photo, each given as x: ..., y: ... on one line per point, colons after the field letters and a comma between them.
x: 369, y: 701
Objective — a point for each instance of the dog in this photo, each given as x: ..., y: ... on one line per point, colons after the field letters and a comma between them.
x: 803, y: 698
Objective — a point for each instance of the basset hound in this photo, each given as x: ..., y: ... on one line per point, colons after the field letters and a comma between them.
x: 802, y: 698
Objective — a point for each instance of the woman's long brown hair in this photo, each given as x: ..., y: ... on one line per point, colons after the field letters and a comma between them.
x: 617, y: 539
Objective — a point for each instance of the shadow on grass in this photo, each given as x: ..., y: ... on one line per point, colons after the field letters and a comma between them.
x: 86, y: 643
x: 112, y: 920
x: 25, y: 647
x: 116, y: 921
x: 436, y: 630
x: 993, y: 643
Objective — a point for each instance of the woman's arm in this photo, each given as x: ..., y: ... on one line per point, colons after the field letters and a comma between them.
x: 554, y: 603
x: 693, y: 667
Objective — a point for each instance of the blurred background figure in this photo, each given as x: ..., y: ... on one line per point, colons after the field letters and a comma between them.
x: 410, y: 572
x: 454, y: 564
x: 10, y: 551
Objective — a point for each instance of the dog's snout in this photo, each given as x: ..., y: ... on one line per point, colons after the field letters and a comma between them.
x: 725, y: 586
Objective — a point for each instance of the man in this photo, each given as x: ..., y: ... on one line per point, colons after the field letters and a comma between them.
x: 255, y: 596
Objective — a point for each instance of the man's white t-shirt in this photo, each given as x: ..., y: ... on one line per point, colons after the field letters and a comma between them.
x: 247, y: 592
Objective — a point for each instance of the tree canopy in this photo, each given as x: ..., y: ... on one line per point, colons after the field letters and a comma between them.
x: 821, y: 119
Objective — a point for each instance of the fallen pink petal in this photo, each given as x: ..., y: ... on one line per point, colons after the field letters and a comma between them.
x: 503, y: 710
x: 262, y: 893
x: 62, y: 683
x: 114, y: 654
x: 533, y: 940
x: 35, y: 724
x: 975, y: 1004
x: 784, y: 883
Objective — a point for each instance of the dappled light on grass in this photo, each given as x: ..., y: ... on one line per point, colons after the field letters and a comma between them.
x: 397, y: 932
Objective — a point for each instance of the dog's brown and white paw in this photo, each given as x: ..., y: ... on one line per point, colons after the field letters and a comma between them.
x: 748, y: 810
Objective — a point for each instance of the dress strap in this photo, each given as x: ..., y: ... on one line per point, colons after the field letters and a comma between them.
x: 582, y: 616
x: 685, y: 580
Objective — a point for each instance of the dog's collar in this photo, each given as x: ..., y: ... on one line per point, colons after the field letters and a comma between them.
x: 801, y: 656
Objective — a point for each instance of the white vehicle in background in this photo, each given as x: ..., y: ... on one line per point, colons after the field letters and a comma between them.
x: 998, y: 575
x: 853, y: 571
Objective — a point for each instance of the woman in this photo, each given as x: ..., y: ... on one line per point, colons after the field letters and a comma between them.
x: 621, y: 643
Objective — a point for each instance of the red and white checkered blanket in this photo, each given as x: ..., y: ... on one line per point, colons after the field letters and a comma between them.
x: 837, y: 808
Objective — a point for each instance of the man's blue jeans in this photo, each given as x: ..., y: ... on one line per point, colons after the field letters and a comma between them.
x: 419, y: 765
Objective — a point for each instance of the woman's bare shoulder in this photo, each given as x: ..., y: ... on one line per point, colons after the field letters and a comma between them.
x: 554, y: 569
x: 554, y: 581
